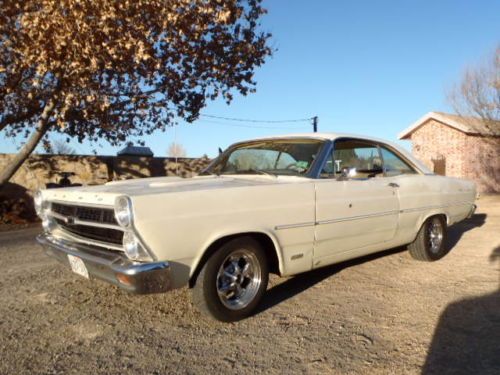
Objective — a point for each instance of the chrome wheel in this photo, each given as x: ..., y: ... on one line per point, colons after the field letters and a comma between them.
x: 238, y: 279
x: 435, y: 232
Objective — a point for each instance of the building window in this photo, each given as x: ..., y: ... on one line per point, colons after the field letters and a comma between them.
x: 439, y: 165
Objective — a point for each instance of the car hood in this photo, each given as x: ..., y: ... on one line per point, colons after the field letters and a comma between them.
x: 177, y: 184
x: 107, y: 193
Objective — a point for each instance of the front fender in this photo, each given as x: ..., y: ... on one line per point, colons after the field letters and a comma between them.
x: 237, y: 232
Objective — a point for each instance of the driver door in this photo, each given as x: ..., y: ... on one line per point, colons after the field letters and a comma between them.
x: 354, y: 211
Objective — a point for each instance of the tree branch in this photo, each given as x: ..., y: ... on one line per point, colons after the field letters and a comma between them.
x: 12, y: 119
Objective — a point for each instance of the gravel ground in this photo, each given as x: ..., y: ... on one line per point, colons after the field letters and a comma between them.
x: 380, y: 314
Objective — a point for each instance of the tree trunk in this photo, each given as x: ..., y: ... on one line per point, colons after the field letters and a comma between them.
x: 41, y: 128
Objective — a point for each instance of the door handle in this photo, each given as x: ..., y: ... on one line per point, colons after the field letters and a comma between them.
x: 393, y: 185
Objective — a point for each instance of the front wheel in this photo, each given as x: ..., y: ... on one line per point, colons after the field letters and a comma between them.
x: 232, y: 281
x: 430, y: 243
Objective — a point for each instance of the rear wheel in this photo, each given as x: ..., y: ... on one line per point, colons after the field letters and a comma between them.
x: 430, y: 244
x: 232, y: 281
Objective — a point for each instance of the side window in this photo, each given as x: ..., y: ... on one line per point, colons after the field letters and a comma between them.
x: 394, y: 165
x: 360, y: 159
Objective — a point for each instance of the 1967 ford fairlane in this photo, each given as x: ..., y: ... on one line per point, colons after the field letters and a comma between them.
x: 280, y: 205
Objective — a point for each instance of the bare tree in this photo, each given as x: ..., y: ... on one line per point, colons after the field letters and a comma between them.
x: 176, y: 150
x: 112, y: 69
x: 62, y: 148
x: 478, y: 92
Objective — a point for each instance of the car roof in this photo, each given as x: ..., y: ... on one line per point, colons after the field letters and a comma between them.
x: 325, y: 136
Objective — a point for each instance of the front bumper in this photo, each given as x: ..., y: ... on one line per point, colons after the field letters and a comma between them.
x: 111, y: 266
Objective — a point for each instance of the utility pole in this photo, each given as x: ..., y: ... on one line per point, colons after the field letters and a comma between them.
x: 315, y: 124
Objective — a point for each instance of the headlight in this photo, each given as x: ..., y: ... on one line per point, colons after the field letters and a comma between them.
x: 123, y: 211
x: 41, y: 206
x: 133, y: 248
x: 48, y: 225
x: 38, y: 202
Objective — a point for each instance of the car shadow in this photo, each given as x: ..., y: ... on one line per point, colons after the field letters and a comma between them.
x: 301, y: 282
x: 466, y: 339
x: 455, y: 232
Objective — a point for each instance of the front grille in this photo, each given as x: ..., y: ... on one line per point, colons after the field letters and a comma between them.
x: 90, y: 215
x: 93, y: 214
x: 108, y: 235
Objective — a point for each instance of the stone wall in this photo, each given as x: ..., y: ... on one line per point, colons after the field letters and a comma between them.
x: 40, y: 170
x: 468, y: 156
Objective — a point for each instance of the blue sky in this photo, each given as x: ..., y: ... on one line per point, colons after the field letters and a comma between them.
x: 366, y: 67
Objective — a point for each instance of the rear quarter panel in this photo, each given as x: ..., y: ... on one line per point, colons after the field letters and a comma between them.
x: 422, y: 196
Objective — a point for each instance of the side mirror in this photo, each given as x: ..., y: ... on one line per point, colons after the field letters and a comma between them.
x: 344, y: 174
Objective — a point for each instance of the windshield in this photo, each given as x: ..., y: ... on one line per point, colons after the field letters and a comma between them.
x: 290, y: 157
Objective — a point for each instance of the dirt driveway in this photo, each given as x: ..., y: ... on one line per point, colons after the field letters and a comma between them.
x: 381, y: 314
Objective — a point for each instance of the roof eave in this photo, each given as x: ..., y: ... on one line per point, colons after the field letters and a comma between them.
x: 406, y: 134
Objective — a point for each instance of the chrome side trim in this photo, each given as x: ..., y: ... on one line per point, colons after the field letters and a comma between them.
x: 297, y: 225
x: 436, y: 206
x: 359, y: 217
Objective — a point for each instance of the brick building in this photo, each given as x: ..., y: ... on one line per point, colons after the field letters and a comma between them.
x: 456, y: 146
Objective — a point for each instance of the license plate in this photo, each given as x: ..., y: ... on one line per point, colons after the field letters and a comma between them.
x: 77, y: 266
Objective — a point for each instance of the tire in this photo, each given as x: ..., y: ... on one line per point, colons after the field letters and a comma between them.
x: 430, y: 244
x: 232, y: 281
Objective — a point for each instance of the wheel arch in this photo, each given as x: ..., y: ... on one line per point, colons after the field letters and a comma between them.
x: 427, y: 216
x: 435, y: 213
x: 266, y: 240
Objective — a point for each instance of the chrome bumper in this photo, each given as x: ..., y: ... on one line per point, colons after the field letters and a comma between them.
x: 111, y: 266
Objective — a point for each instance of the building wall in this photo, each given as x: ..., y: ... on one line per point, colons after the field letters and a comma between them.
x: 467, y: 156
x: 482, y: 163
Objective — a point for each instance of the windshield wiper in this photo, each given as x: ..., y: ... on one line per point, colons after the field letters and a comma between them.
x: 246, y: 171
x: 260, y: 171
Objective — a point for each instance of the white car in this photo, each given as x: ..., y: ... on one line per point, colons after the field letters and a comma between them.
x: 284, y: 205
